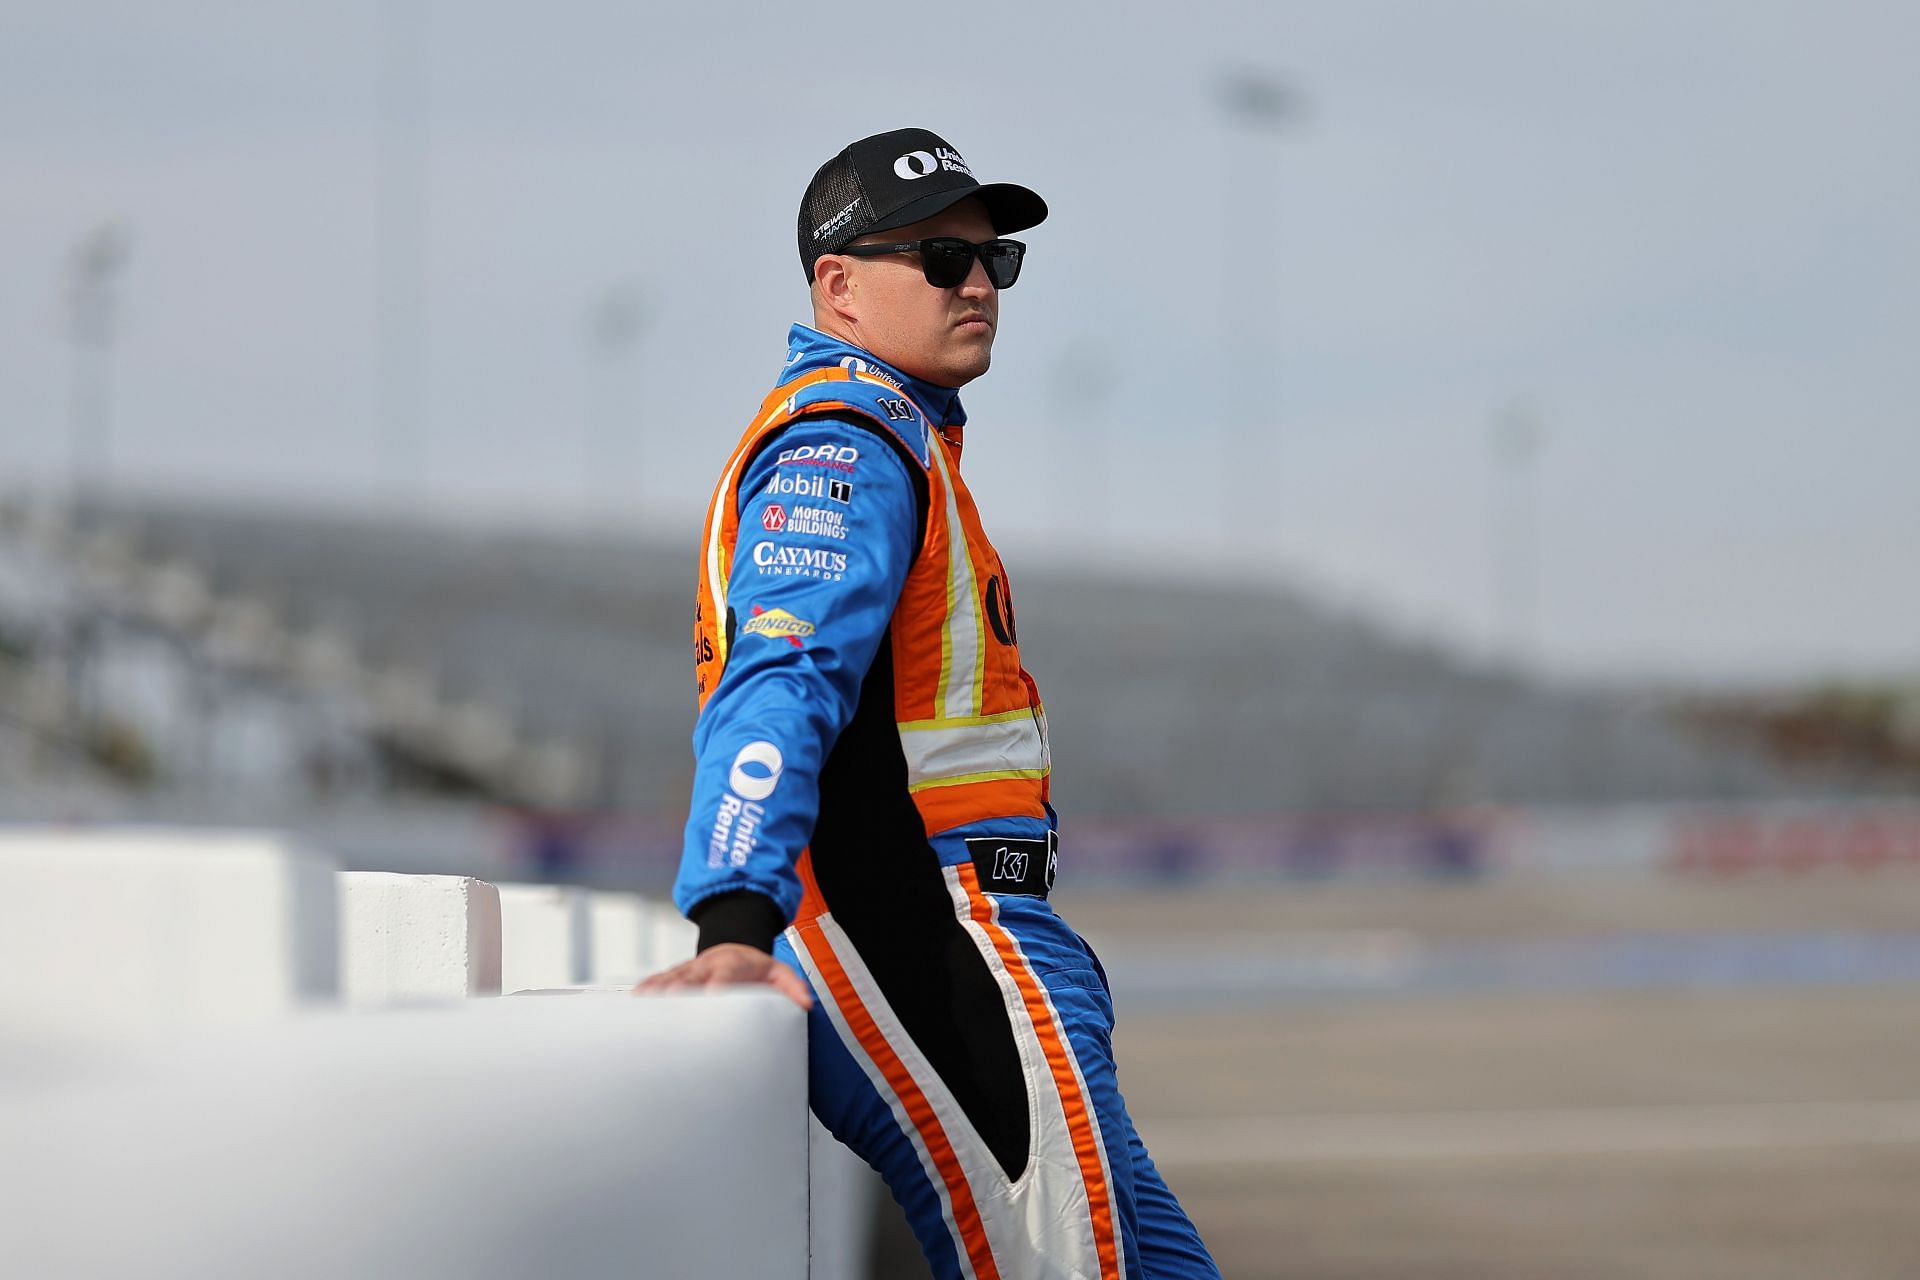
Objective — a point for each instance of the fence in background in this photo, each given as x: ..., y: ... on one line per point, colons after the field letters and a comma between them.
x: 1628, y: 838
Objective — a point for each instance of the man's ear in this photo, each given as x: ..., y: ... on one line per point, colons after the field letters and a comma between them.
x: 833, y: 285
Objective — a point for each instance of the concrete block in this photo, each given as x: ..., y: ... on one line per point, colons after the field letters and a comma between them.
x: 620, y: 923
x: 546, y: 936
x: 107, y: 931
x: 670, y: 936
x: 635, y: 936
x: 568, y: 1137
x: 417, y: 937
x: 843, y: 1196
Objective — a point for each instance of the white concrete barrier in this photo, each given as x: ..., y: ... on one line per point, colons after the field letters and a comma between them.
x: 580, y: 1136
x: 570, y: 1136
x: 417, y: 937
x: 546, y: 936
x: 136, y: 929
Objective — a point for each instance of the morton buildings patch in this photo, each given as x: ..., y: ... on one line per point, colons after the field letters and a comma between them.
x: 818, y: 521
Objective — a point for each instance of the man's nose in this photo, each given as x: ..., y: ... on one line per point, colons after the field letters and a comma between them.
x: 977, y: 285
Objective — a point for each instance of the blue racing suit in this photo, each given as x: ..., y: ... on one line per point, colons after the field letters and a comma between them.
x: 959, y: 1035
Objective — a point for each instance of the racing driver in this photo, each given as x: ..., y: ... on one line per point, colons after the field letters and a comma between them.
x: 870, y: 829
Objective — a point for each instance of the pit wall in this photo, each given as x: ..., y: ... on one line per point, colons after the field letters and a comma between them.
x: 270, y: 1066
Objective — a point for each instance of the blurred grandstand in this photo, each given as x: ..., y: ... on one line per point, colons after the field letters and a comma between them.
x: 161, y: 658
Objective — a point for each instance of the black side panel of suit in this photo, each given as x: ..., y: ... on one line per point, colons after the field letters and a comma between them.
x: 882, y: 882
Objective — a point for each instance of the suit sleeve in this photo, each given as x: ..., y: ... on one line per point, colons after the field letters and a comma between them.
x: 829, y: 519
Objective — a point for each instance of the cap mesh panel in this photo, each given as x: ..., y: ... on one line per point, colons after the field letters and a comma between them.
x: 835, y: 206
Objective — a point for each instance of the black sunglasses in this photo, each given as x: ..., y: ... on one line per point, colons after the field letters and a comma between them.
x: 947, y: 260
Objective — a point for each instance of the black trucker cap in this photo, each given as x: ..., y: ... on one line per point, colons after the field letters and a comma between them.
x: 892, y: 179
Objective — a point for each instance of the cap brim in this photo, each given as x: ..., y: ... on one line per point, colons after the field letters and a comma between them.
x: 1010, y: 206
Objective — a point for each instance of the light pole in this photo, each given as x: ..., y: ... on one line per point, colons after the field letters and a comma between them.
x: 97, y: 263
x: 615, y: 322
x: 400, y: 247
x: 1255, y: 105
x: 1082, y: 453
x: 1515, y: 442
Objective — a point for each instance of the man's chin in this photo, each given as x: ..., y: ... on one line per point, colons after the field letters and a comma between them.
x: 955, y: 369
x: 970, y: 364
x: 963, y: 372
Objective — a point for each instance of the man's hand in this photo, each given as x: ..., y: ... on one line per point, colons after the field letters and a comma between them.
x: 726, y: 965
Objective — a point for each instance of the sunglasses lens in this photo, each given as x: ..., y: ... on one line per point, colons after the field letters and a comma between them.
x: 1002, y: 259
x: 946, y: 262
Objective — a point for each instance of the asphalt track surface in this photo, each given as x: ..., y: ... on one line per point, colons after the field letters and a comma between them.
x: 1752, y: 1122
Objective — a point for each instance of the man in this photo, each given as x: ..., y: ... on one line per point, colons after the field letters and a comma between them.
x: 870, y: 830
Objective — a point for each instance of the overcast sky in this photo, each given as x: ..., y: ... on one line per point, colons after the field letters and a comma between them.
x: 1686, y: 237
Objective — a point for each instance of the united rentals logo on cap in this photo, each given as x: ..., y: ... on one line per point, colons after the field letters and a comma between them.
x: 892, y: 179
x: 922, y: 164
